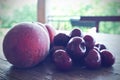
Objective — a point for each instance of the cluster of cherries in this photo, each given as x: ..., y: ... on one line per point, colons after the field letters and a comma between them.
x: 76, y: 48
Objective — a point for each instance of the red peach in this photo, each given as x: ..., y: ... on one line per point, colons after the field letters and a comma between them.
x: 51, y: 31
x: 26, y: 44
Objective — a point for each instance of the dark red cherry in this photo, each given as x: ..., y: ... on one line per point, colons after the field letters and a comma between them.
x: 107, y: 58
x: 62, y: 59
x: 90, y: 42
x: 61, y: 39
x: 54, y: 48
x: 76, y: 47
x: 76, y: 32
x: 100, y: 46
x: 93, y: 59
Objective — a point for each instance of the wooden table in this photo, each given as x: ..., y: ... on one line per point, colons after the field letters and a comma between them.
x: 47, y: 70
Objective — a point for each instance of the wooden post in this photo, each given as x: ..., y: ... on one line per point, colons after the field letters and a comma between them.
x: 97, y: 26
x: 41, y: 11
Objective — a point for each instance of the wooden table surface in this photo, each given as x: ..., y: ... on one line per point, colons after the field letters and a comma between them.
x: 47, y: 70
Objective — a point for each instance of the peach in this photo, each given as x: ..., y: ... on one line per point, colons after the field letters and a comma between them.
x: 42, y: 25
x: 51, y: 32
x: 26, y: 45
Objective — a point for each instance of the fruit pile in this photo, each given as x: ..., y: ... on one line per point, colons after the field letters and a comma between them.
x: 79, y: 49
x: 28, y: 43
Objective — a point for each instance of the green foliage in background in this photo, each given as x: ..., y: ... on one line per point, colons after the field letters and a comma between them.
x: 27, y: 13
x: 23, y: 14
x: 102, y: 8
x: 94, y: 8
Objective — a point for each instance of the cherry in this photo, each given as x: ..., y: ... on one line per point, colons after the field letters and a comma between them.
x: 107, y: 58
x: 89, y: 41
x: 76, y: 47
x: 100, y: 46
x: 93, y: 59
x: 76, y: 32
x: 61, y: 39
x: 54, y: 48
x: 62, y: 60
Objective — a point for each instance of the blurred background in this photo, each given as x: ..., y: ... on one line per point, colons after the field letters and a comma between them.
x: 59, y: 12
